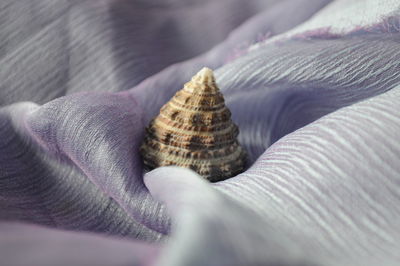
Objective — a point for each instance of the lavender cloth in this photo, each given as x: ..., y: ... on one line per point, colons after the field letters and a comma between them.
x: 313, y: 85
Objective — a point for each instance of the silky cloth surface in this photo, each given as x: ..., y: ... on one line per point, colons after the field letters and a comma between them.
x: 313, y: 85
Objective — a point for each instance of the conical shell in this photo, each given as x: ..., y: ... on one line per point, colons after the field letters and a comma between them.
x: 194, y: 130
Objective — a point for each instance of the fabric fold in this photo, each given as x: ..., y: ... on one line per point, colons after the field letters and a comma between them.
x: 43, y: 188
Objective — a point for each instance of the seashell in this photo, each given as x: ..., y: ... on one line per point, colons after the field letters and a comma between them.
x: 194, y: 130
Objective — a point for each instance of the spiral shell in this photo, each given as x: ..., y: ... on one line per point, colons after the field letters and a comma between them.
x: 194, y: 130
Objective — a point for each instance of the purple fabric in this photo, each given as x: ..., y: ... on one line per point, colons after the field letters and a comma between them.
x: 313, y: 85
x: 38, y: 246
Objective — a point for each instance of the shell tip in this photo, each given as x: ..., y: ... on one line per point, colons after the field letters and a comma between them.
x: 205, y: 75
x: 205, y: 71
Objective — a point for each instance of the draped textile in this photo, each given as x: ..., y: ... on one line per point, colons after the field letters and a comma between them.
x: 313, y: 85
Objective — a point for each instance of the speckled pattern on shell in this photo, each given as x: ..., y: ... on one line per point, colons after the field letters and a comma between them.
x: 194, y: 130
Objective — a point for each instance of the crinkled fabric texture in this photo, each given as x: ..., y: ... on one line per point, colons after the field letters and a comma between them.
x: 314, y: 86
